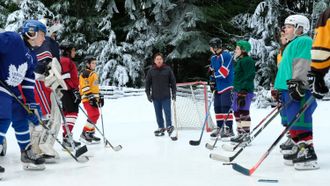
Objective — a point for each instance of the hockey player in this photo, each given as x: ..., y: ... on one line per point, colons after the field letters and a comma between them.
x: 222, y: 75
x: 91, y: 98
x: 243, y: 90
x: 160, y: 82
x: 71, y: 97
x: 291, y: 81
x: 320, y: 55
x: 43, y: 143
x: 17, y: 63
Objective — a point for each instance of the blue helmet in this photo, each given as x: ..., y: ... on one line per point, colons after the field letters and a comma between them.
x: 32, y: 26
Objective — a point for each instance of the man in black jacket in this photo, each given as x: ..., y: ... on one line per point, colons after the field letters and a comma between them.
x: 160, y: 81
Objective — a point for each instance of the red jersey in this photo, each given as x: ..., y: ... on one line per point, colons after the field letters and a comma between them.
x: 69, y: 73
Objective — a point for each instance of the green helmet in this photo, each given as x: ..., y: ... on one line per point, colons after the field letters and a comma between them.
x: 244, y: 45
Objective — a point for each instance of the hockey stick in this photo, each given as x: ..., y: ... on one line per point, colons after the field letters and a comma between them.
x: 45, y: 127
x: 79, y: 151
x: 220, y: 157
x: 195, y: 143
x: 174, y: 138
x: 250, y: 171
x: 232, y: 148
x: 211, y: 147
x: 115, y: 148
x: 105, y: 143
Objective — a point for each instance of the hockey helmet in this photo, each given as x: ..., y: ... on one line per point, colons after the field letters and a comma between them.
x: 298, y: 21
x: 215, y: 43
x: 32, y: 26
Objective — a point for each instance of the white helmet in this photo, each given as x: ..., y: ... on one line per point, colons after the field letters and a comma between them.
x: 298, y: 21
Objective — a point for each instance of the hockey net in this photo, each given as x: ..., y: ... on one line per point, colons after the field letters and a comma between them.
x: 192, y: 101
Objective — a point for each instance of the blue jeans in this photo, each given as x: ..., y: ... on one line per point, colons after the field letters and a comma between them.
x: 160, y: 105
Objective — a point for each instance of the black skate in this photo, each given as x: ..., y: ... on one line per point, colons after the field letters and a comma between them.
x: 306, y: 158
x: 215, y: 133
x: 66, y: 142
x: 287, y: 146
x: 2, y: 172
x: 88, y: 138
x: 159, y: 132
x: 170, y: 130
x: 31, y: 161
x: 242, y: 138
x: 226, y: 133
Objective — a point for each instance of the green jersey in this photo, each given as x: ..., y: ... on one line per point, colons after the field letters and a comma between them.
x: 295, y: 62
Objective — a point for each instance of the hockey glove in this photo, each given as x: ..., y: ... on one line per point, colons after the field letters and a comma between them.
x: 317, y: 84
x: 101, y: 100
x: 295, y: 89
x: 92, y: 100
x: 76, y: 96
x: 35, y: 115
x: 241, y: 95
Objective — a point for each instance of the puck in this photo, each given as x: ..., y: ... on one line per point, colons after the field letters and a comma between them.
x: 268, y: 180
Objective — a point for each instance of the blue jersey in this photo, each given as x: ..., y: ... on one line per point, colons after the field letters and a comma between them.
x: 17, y: 63
x: 223, y: 71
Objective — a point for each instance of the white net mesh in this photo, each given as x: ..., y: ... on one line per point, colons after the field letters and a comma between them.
x: 191, y: 106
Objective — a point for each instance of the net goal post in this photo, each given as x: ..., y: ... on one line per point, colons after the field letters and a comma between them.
x: 192, y: 99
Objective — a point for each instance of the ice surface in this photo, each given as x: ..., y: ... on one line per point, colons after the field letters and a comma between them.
x: 146, y: 160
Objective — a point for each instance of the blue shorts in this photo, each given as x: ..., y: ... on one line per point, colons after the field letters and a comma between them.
x: 10, y: 108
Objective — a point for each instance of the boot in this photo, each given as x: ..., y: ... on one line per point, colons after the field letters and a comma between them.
x: 159, y: 132
x: 170, y: 129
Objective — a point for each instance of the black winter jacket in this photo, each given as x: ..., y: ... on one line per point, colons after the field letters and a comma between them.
x: 160, y: 81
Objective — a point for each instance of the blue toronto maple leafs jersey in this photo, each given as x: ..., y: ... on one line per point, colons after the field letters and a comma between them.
x: 222, y: 66
x: 17, y: 64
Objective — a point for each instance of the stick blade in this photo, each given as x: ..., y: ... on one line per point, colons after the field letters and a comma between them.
x: 209, y: 146
x: 194, y: 143
x: 81, y: 151
x: 117, y: 148
x: 228, y: 147
x: 241, y: 169
x: 219, y: 157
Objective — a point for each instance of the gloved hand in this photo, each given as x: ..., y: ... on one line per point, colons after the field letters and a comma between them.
x: 101, y: 100
x: 35, y: 115
x: 296, y: 91
x: 92, y: 100
x: 174, y: 97
x: 149, y: 98
x: 212, y: 85
x: 241, y: 95
x: 77, y: 97
x: 276, y: 95
x: 317, y: 84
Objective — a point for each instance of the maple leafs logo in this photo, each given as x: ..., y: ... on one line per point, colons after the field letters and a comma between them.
x: 16, y: 75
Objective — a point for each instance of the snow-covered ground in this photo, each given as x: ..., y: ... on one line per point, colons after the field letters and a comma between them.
x: 148, y: 160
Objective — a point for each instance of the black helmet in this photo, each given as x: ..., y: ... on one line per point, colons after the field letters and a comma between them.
x: 215, y: 43
x: 66, y: 48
